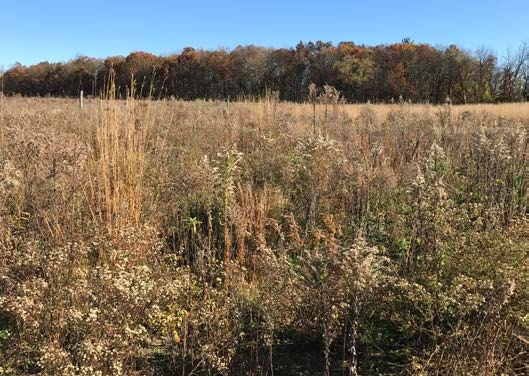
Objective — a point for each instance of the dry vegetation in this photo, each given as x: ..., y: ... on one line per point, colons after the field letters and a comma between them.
x: 200, y: 238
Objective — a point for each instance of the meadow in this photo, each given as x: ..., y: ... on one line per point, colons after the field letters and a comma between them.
x: 166, y: 237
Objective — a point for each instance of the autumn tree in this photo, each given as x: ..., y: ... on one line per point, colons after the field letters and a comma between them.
x: 354, y: 69
x: 116, y: 76
x: 283, y: 71
x: 15, y: 80
x: 218, y: 73
x: 83, y: 75
x: 486, y: 65
x: 513, y: 78
x: 407, y: 70
x: 141, y: 67
x: 250, y: 68
x: 168, y: 72
x: 190, y: 74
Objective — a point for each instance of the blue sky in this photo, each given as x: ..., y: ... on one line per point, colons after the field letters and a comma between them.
x: 59, y: 30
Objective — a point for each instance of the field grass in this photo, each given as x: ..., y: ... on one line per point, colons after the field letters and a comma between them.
x: 169, y: 237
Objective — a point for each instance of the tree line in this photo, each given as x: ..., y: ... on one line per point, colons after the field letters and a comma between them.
x: 406, y: 71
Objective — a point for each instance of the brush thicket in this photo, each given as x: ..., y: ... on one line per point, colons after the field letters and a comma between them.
x: 156, y: 237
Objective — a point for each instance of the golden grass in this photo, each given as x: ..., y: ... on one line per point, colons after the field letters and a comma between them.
x: 197, y: 229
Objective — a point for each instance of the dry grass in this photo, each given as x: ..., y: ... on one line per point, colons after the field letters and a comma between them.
x: 155, y: 237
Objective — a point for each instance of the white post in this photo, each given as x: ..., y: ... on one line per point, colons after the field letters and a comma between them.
x: 81, y: 100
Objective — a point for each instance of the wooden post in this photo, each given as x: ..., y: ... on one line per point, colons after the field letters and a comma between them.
x: 81, y: 100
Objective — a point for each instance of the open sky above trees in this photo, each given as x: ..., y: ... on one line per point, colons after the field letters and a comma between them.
x: 60, y: 30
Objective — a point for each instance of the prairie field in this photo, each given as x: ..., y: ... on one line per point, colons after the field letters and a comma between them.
x: 166, y: 237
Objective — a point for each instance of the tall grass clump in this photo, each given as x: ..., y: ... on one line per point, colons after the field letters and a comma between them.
x: 120, y: 161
